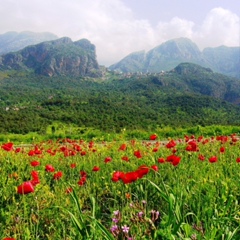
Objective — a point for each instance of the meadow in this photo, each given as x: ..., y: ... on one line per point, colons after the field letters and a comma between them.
x: 171, y: 188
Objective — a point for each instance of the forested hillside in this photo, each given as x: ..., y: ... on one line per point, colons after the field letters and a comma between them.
x: 30, y: 103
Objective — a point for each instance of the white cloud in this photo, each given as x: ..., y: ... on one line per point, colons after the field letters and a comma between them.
x: 220, y: 27
x: 111, y: 26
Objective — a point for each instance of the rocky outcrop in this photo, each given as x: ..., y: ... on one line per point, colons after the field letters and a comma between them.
x: 58, y: 57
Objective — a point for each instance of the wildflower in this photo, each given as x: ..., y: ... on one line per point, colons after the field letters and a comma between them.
x: 114, y: 228
x: 115, y: 220
x: 116, y: 213
x: 123, y: 147
x: 95, y: 169
x: 35, y: 163
x: 57, y: 175
x: 213, y: 159
x: 222, y: 149
x: 137, y: 154
x: 107, y: 159
x: 49, y: 168
x: 7, y: 146
x: 73, y: 165
x: 117, y: 176
x: 125, y: 158
x: 155, y: 168
x: 153, y: 137
x: 25, y: 188
x: 140, y: 214
x: 238, y: 160
x: 201, y: 157
x: 9, y: 238
x: 171, y: 144
x: 125, y: 229
x: 161, y: 160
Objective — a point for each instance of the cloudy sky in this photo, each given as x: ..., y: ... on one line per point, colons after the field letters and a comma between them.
x: 120, y: 27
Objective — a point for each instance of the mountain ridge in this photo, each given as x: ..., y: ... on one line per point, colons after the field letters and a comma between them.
x: 164, y: 57
x: 56, y: 57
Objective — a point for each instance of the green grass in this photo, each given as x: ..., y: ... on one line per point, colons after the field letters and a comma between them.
x: 192, y: 200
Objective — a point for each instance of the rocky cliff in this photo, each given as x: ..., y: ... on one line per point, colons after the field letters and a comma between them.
x: 57, y: 57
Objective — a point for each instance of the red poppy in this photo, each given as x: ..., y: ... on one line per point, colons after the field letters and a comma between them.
x: 238, y: 160
x: 83, y: 153
x: 125, y: 158
x: 107, y: 159
x: 83, y: 174
x: 213, y: 159
x: 161, y: 160
x: 142, y: 171
x: 7, y: 146
x: 25, y: 188
x: 96, y: 169
x: 73, y: 165
x: 8, y: 238
x: 117, y: 176
x: 155, y: 168
x: 129, y: 177
x: 173, y: 159
x: 123, y: 147
x: 222, y: 149
x: 192, y: 146
x: 57, y: 175
x: 153, y: 137
x: 171, y: 144
x: 137, y: 154
x: 35, y: 178
x: 155, y: 149
x: 49, y: 168
x: 35, y: 163
x: 201, y: 157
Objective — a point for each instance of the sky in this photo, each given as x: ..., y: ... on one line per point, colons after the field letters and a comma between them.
x: 120, y: 27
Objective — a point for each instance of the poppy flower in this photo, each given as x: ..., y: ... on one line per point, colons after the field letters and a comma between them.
x: 8, y: 238
x: 161, y: 160
x: 153, y: 137
x: 117, y: 176
x: 238, y: 160
x: 125, y: 158
x: 107, y: 159
x: 173, y: 159
x: 155, y: 168
x: 123, y: 147
x: 171, y: 144
x: 201, y: 157
x: 222, y: 149
x: 7, y: 146
x: 213, y: 159
x: 73, y: 165
x: 49, y: 168
x: 137, y: 154
x: 95, y: 169
x: 142, y: 171
x: 35, y: 163
x: 57, y: 175
x: 129, y: 177
x: 83, y: 153
x: 25, y: 188
x: 35, y: 178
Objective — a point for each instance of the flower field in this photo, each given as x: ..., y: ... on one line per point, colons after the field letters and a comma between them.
x: 185, y: 188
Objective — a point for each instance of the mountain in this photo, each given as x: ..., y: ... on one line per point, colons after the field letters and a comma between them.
x: 225, y: 60
x: 14, y: 41
x: 57, y: 57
